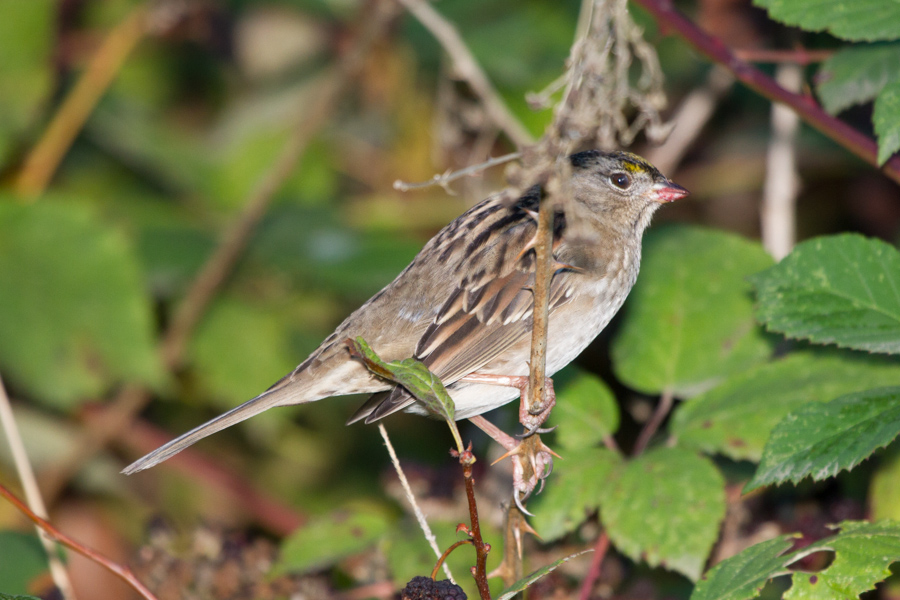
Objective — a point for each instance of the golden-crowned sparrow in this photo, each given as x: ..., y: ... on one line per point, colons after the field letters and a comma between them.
x: 464, y: 304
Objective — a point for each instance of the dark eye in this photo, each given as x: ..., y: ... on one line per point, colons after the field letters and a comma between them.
x: 620, y: 180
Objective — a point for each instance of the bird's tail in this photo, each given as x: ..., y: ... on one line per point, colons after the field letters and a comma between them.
x: 246, y: 410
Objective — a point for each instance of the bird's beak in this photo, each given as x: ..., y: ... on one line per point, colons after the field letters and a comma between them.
x: 667, y: 192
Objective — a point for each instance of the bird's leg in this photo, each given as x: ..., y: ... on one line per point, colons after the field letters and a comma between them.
x: 532, y: 420
x: 532, y: 460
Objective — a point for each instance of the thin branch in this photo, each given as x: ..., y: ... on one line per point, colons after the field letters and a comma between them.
x: 449, y: 177
x: 420, y: 516
x: 467, y: 459
x: 32, y: 492
x: 799, y: 56
x: 468, y: 69
x: 668, y: 17
x: 113, y: 567
x: 216, y: 270
x: 443, y: 557
x: 662, y: 410
x: 593, y: 573
x: 42, y: 162
x: 778, y: 219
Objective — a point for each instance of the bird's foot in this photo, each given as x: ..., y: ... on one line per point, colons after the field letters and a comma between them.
x: 532, y: 460
x: 531, y: 417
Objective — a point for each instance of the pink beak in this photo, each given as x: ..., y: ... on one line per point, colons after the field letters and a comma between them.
x: 667, y: 192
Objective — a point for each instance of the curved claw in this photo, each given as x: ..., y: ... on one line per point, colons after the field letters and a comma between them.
x: 519, y: 503
x: 536, y: 429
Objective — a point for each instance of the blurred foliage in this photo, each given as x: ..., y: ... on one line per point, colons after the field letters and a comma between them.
x: 92, y: 272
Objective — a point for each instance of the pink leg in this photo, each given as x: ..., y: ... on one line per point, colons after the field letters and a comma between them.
x: 531, y: 420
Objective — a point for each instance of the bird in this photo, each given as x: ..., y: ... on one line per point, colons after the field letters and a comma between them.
x: 464, y: 305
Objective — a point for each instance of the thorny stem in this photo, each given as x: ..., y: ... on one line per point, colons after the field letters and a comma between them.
x: 113, y: 567
x: 443, y: 557
x: 668, y: 17
x: 467, y: 459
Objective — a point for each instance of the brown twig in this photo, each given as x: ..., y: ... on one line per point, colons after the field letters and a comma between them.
x: 42, y: 162
x: 449, y: 177
x: 593, y: 573
x: 468, y: 69
x: 443, y: 557
x: 799, y: 56
x: 467, y: 459
x: 113, y: 567
x: 668, y: 17
x: 216, y: 270
x: 662, y: 410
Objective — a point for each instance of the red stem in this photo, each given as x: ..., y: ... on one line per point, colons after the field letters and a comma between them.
x: 593, y: 573
x: 668, y: 17
x: 113, y: 567
x: 467, y: 459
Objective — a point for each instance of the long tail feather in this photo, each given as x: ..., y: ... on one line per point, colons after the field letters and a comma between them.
x: 240, y: 413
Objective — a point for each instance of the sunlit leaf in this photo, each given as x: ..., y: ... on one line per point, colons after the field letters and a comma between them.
x: 842, y: 289
x: 887, y: 121
x: 689, y: 320
x: 736, y: 417
x: 858, y: 20
x: 586, y: 410
x: 664, y: 508
x: 820, y: 439
x: 742, y: 576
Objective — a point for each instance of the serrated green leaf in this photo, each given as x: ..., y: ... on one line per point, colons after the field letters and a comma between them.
x: 862, y: 554
x: 327, y: 539
x: 689, y: 320
x: 886, y: 119
x: 742, y: 576
x: 16, y: 597
x: 411, y: 374
x: 523, y: 584
x: 842, y: 290
x: 586, y: 410
x: 736, y: 418
x: 858, y: 20
x: 664, y: 508
x: 75, y: 316
x: 22, y: 559
x: 820, y: 439
x: 574, y: 491
x: 857, y: 74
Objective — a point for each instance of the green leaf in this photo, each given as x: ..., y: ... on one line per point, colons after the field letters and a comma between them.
x: 857, y: 74
x: 842, y: 289
x: 689, y: 320
x: 574, y: 492
x: 27, y: 42
x: 16, y: 597
x: 523, y: 584
x: 858, y: 20
x: 22, y: 560
x: 863, y: 553
x: 75, y: 316
x: 822, y: 438
x: 884, y: 488
x: 586, y: 410
x: 325, y: 540
x: 239, y: 350
x: 742, y: 576
x: 411, y: 374
x: 665, y: 507
x: 736, y: 418
x: 886, y: 119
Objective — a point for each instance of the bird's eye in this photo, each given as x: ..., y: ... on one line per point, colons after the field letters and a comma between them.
x: 620, y: 180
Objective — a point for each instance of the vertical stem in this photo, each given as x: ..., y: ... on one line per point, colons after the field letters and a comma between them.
x: 467, y: 459
x: 593, y: 573
x: 543, y: 248
x: 662, y: 409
